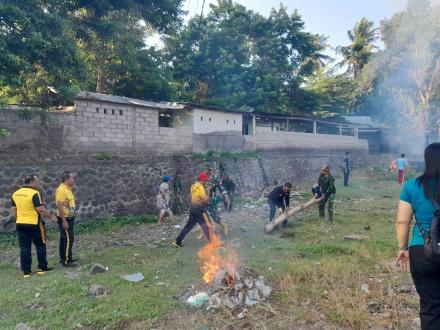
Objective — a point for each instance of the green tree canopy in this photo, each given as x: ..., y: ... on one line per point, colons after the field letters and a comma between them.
x: 235, y: 57
x: 78, y: 44
x: 358, y: 52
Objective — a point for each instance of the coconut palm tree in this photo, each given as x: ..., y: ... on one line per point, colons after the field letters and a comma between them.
x: 358, y: 52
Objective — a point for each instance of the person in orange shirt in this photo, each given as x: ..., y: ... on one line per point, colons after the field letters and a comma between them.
x: 197, y: 210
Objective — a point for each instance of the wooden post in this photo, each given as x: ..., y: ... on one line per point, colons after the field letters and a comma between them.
x: 356, y: 134
x: 254, y: 131
x: 340, y: 133
x: 315, y: 132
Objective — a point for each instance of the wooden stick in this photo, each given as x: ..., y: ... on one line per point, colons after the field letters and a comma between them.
x: 283, y: 216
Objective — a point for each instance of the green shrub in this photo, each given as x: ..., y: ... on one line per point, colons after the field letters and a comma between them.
x: 104, y: 157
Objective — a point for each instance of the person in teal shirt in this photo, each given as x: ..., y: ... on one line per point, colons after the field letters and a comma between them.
x: 415, y: 200
x: 423, y: 209
x: 401, y: 165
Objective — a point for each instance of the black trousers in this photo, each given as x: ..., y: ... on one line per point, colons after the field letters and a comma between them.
x: 26, y: 235
x: 197, y: 215
x: 426, y: 277
x: 67, y: 237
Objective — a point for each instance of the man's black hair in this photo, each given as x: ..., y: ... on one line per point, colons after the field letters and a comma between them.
x: 288, y: 185
x: 347, y: 152
x: 30, y: 178
x: 65, y: 176
x: 402, y: 155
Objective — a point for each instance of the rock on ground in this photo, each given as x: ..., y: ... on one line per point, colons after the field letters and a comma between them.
x: 355, y: 237
x: 96, y: 269
x: 136, y: 277
x: 97, y: 291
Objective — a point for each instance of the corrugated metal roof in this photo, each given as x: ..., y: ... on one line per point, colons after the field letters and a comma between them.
x: 364, y: 121
x: 98, y: 97
x: 190, y: 105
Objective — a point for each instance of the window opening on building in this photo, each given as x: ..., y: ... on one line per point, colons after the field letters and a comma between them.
x: 165, y: 119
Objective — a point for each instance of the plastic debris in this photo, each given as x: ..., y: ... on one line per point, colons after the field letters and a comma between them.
x: 198, y: 300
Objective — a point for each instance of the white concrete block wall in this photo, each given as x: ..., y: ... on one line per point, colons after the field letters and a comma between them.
x: 137, y: 129
x: 220, y: 121
x: 274, y: 139
x: 174, y: 140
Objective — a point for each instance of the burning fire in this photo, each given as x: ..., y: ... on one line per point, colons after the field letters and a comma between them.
x: 215, y: 256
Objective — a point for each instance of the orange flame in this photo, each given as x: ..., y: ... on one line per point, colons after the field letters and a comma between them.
x: 216, y: 256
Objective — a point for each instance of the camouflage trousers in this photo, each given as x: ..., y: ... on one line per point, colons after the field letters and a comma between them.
x: 329, y: 200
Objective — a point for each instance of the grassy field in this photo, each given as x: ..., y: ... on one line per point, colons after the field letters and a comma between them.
x: 316, y: 275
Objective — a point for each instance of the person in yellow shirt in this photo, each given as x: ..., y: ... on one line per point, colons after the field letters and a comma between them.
x: 197, y: 210
x: 65, y: 202
x: 28, y: 209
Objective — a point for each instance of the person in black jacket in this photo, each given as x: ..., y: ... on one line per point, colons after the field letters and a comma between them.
x: 279, y: 197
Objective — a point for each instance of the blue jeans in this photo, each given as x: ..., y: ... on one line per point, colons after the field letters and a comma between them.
x: 273, y: 208
x: 346, y: 177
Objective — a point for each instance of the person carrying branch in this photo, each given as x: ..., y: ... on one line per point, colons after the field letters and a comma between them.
x: 279, y: 197
x: 326, y: 183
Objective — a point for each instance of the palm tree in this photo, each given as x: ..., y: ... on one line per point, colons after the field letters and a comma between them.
x: 359, y: 51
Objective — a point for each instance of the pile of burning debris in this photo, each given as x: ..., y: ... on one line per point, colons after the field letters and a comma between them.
x: 225, y: 284
x: 232, y: 290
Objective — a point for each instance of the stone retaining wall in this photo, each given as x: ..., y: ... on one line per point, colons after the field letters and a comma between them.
x: 124, y: 187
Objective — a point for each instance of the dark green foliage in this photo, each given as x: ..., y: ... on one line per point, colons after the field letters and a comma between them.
x: 235, y: 57
x: 82, y: 45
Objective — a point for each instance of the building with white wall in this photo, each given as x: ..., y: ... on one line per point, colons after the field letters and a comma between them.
x: 186, y: 127
x: 102, y: 123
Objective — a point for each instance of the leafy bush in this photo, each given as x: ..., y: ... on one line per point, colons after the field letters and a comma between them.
x: 213, y: 155
x: 104, y: 157
x: 4, y: 132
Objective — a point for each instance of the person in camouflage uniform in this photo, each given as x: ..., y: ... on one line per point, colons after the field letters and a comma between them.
x: 217, y: 194
x: 326, y: 183
x: 229, y: 186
